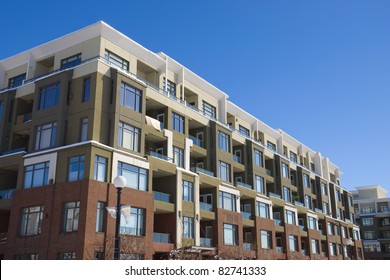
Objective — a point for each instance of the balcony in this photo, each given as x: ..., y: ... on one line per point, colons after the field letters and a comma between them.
x: 274, y: 195
x: 278, y: 222
x: 241, y: 184
x: 23, y: 118
x: 206, y: 206
x: 164, y: 197
x: 237, y: 159
x: 279, y: 250
x: 206, y: 242
x: 246, y: 215
x: 196, y: 141
x: 160, y: 156
x: 201, y: 170
x: 268, y: 172
x: 6, y: 194
x: 318, y: 210
x: 302, y: 228
x: 14, y: 151
x: 161, y: 237
x: 299, y: 203
x: 247, y: 246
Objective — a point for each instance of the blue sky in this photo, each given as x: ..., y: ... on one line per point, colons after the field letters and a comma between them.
x: 319, y: 70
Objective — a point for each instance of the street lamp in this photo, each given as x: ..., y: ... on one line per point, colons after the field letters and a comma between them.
x: 119, y: 183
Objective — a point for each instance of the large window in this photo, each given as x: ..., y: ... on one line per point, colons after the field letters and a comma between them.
x: 45, y: 136
x: 285, y: 171
x: 286, y: 194
x: 227, y: 201
x: 356, y: 235
x: 315, y: 248
x: 170, y: 87
x: 262, y: 210
x: 344, y: 232
x: 290, y: 217
x: 312, y: 222
x: 293, y: 242
x: 271, y: 146
x: 131, y: 97
x: 209, y: 110
x: 31, y: 220
x: 307, y: 202
x: 260, y: 186
x: 325, y: 208
x: 223, y: 141
x: 36, y: 175
x: 188, y: 227
x: 49, y: 96
x: 100, y: 169
x: 330, y: 229
x: 306, y: 181
x: 324, y: 189
x: 177, y: 122
x: 243, y: 131
x: 339, y: 214
x: 86, y: 89
x: 230, y: 234
x: 71, y: 61
x: 188, y: 191
x: 83, y: 129
x: 16, y: 81
x: 100, y: 216
x: 224, y: 171
x: 71, y: 216
x: 76, y: 168
x: 293, y: 157
x: 116, y: 60
x: 367, y: 222
x: 136, y: 224
x: 129, y: 137
x: 178, y: 156
x: 266, y: 240
x: 338, y: 195
x: 369, y: 235
x: 258, y: 158
x: 136, y: 177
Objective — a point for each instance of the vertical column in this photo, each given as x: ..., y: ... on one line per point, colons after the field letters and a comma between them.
x: 187, y: 150
x: 169, y: 135
x: 179, y: 209
x: 197, y: 210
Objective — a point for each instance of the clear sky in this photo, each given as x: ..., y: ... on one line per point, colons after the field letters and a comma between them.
x: 319, y: 70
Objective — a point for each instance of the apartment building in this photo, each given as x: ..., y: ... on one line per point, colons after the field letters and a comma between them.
x: 205, y: 179
x: 373, y: 215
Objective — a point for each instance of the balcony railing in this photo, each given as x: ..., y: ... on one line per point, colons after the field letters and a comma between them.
x: 14, y: 151
x: 161, y: 237
x: 196, y: 141
x: 304, y: 252
x: 206, y: 206
x: 321, y: 231
x: 302, y: 228
x: 323, y: 254
x: 274, y: 195
x: 24, y: 118
x: 206, y: 242
x: 237, y: 158
x: 241, y: 184
x: 279, y: 250
x: 201, y: 170
x: 318, y: 210
x: 6, y: 194
x: 278, y: 222
x: 268, y: 172
x: 160, y: 156
x: 246, y: 215
x: 299, y: 203
x: 247, y: 246
x: 164, y: 197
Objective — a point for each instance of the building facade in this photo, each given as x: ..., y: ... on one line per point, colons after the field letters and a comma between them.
x: 205, y: 179
x: 372, y: 211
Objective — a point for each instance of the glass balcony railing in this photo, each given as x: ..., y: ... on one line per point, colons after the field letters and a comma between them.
x: 206, y: 206
x: 161, y: 237
x: 14, y: 151
x: 196, y: 141
x: 160, y: 156
x: 274, y: 195
x: 278, y: 222
x: 237, y: 158
x: 206, y: 242
x: 241, y: 184
x: 318, y: 210
x: 268, y: 172
x: 201, y: 170
x: 302, y: 228
x: 279, y: 250
x: 164, y: 197
x: 6, y: 194
x: 299, y: 203
x: 246, y: 215
x: 247, y: 246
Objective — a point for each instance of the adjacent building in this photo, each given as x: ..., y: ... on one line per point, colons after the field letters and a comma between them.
x: 373, y: 215
x: 205, y: 179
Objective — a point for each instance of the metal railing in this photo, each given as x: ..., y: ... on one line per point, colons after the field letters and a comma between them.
x: 206, y: 242
x: 6, y: 194
x: 241, y: 184
x: 164, y: 197
x: 201, y: 170
x: 161, y: 237
x: 160, y: 156
x: 206, y: 206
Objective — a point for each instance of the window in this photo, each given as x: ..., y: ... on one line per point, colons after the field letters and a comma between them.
x: 71, y: 216
x: 265, y: 237
x: 135, y: 225
x: 312, y: 222
x: 324, y: 189
x: 339, y: 214
x: 131, y: 97
x: 368, y: 209
x: 83, y: 129
x: 325, y: 208
x: 285, y: 171
x: 100, y: 216
x: 131, y: 256
x: 271, y: 146
x: 209, y: 110
x: 129, y: 137
x: 177, y: 122
x: 45, y: 136
x: 293, y: 242
x: 170, y: 87
x: 258, y: 158
x: 27, y: 257
x: 230, y: 234
x: 136, y: 177
x: 307, y: 202
x: 224, y: 171
x: 262, y: 210
x: 367, y: 222
x: 227, y: 201
x: 67, y: 256
x: 290, y: 217
x: 338, y: 195
x: 86, y: 89
x: 356, y: 235
x: 293, y: 157
x: 344, y: 232
x: 369, y: 234
x: 350, y: 204
x: 16, y: 81
x: 100, y: 170
x: 286, y: 194
x: 71, y: 61
x: 188, y: 227
x: 116, y: 60
x: 31, y: 220
x: 1, y: 110
x: 306, y: 181
x: 49, y: 96
x: 178, y: 156
x: 315, y: 249
x: 330, y: 229
x: 332, y: 248
x: 223, y: 141
x: 36, y: 175
x: 260, y: 186
x: 312, y: 167
x: 243, y: 131
x: 188, y: 191
x: 76, y: 168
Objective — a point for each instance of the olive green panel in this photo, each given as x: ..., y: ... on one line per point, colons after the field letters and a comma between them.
x: 163, y: 207
x: 63, y: 162
x: 188, y: 209
x: 207, y: 215
x: 98, y: 151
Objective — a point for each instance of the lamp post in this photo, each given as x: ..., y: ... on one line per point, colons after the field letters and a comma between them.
x: 119, y: 183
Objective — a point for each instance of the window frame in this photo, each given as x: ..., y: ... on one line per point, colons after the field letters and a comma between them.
x: 178, y: 122
x: 130, y: 97
x: 230, y: 230
x: 40, y: 130
x: 78, y: 161
x: 31, y: 215
x: 133, y: 134
x: 72, y: 215
x: 99, y: 162
x: 188, y: 191
x: 225, y: 197
x: 224, y: 169
x: 49, y: 96
x: 139, y: 173
x: 33, y: 169
x: 223, y: 141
